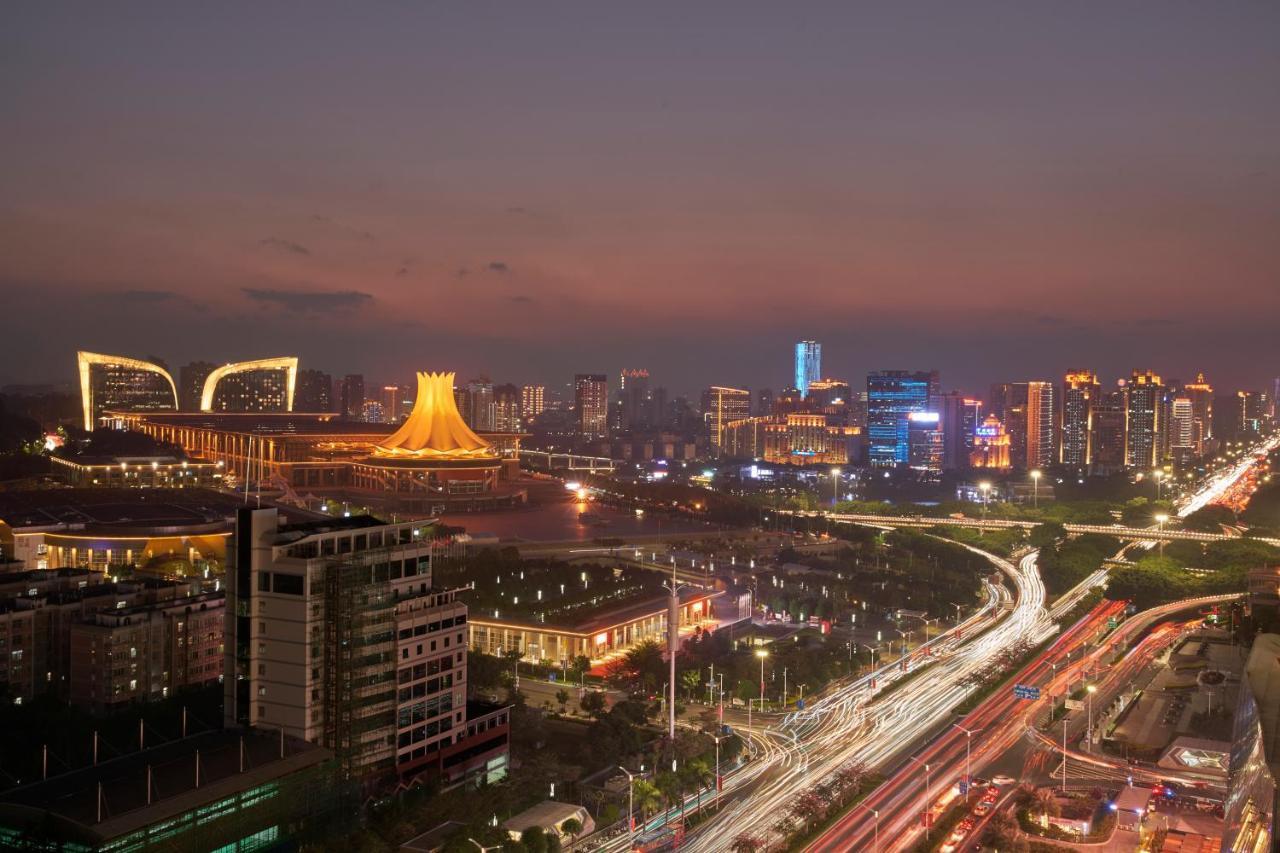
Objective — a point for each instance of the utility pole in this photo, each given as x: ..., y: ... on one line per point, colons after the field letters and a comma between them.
x: 673, y: 642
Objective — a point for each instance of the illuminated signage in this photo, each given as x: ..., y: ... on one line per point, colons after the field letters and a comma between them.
x: 923, y: 417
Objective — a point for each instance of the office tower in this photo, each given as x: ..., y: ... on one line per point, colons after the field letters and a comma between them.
x: 532, y: 401
x: 634, y: 401
x: 335, y: 635
x: 1144, y: 407
x: 990, y: 445
x: 1251, y: 413
x: 315, y: 392
x: 1182, y: 432
x: 263, y: 385
x: 191, y: 379
x: 1080, y: 392
x: 1040, y: 425
x: 372, y: 412
x: 659, y: 411
x: 1009, y: 403
x: 722, y: 406
x: 1109, y: 419
x: 858, y: 409
x: 891, y: 396
x: 479, y: 411
x: 924, y: 441
x: 764, y: 402
x: 506, y: 408
x: 1201, y: 394
x: 808, y: 365
x: 391, y: 403
x: 351, y: 398
x: 591, y: 403
x: 959, y: 416
x: 124, y: 384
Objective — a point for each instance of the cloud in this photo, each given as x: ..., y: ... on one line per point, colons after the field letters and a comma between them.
x: 350, y: 230
x: 403, y: 271
x: 284, y: 246
x: 309, y: 300
x: 498, y: 267
x: 462, y: 272
x: 142, y: 297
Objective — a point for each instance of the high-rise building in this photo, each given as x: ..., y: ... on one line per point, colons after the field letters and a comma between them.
x: 924, y: 441
x: 634, y: 401
x: 506, y: 408
x: 264, y: 385
x: 479, y: 411
x: 124, y: 384
x: 1182, y: 429
x: 533, y: 399
x: 764, y: 402
x: 892, y: 395
x: 391, y: 403
x: 1109, y: 418
x: 1201, y: 394
x: 335, y: 635
x: 720, y: 407
x: 1080, y: 392
x: 990, y: 445
x: 808, y: 365
x: 960, y: 416
x: 1009, y: 403
x: 1040, y: 425
x: 315, y: 392
x: 351, y: 398
x: 591, y: 403
x: 1144, y: 410
x: 191, y: 379
x: 1251, y: 414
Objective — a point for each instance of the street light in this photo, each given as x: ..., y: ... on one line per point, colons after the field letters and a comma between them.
x: 985, y: 488
x: 968, y: 777
x: 1161, y: 518
x: 631, y: 799
x: 924, y: 812
x: 1158, y: 475
x: 835, y: 486
x: 762, y: 654
x: 1091, y: 689
x: 1035, y: 488
x: 876, y: 814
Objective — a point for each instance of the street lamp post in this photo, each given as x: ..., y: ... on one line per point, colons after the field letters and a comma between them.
x: 762, y: 654
x: 1035, y: 489
x: 968, y: 776
x: 1091, y: 689
x: 1161, y: 518
x: 985, y: 488
x: 924, y: 812
x: 835, y: 486
x: 876, y: 814
x: 631, y: 799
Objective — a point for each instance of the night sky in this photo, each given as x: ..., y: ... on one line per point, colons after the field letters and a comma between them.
x: 534, y: 189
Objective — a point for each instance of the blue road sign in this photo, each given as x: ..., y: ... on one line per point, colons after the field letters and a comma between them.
x: 800, y: 704
x: 1024, y: 691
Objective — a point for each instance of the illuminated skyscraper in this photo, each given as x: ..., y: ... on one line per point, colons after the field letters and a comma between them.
x: 124, y: 384
x: 808, y: 365
x: 924, y: 441
x: 722, y: 406
x: 892, y: 395
x: 1107, y: 454
x: 1040, y: 425
x: 990, y: 445
x: 1252, y: 414
x: 1144, y: 409
x: 1080, y: 391
x: 533, y: 399
x: 479, y: 411
x: 959, y: 416
x: 1201, y: 394
x: 506, y: 408
x: 591, y: 403
x: 264, y: 385
x: 1182, y: 432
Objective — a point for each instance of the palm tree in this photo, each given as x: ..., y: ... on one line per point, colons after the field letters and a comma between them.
x: 571, y: 828
x: 672, y: 788
x: 646, y: 796
x: 698, y: 774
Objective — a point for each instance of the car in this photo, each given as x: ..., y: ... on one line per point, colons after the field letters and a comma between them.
x: 1002, y: 780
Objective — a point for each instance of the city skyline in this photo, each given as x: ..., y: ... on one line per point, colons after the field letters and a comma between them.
x: 427, y: 207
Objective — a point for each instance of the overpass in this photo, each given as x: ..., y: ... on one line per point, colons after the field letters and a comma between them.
x: 1136, y: 534
x: 569, y: 461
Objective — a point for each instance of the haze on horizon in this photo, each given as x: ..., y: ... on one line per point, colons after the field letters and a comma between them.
x: 994, y: 190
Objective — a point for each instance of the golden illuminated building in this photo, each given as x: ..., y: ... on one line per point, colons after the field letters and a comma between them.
x: 722, y: 406
x: 793, y: 439
x: 122, y: 384
x: 1080, y: 393
x: 264, y: 385
x: 990, y: 445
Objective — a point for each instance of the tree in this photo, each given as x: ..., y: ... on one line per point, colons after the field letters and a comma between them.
x: 745, y: 843
x: 645, y: 795
x: 593, y: 702
x: 580, y: 666
x: 562, y: 696
x: 807, y: 807
x: 571, y: 827
x: 698, y: 775
x: 1047, y: 535
x: 534, y: 839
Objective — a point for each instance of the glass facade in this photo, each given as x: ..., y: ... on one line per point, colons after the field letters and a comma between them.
x: 808, y: 365
x: 893, y: 395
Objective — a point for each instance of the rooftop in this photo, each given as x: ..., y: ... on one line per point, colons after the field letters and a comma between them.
x: 1263, y: 672
x: 117, y: 510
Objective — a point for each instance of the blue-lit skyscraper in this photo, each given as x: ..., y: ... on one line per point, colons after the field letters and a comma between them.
x: 808, y: 365
x: 893, y: 395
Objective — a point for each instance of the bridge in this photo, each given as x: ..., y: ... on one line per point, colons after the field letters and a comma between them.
x: 569, y: 461
x: 1136, y: 534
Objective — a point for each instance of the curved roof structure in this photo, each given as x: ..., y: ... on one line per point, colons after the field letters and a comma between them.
x: 86, y: 362
x: 434, y: 427
x: 289, y: 364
